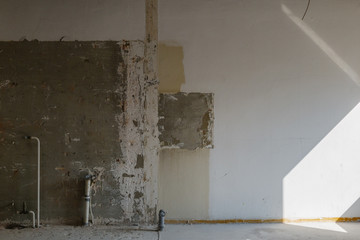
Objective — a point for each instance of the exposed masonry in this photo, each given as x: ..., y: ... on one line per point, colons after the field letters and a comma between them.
x: 186, y: 120
x: 94, y: 107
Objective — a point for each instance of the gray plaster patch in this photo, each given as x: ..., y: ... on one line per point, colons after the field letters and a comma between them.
x: 186, y: 120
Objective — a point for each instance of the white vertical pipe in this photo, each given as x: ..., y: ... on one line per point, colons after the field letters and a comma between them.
x: 33, y: 218
x: 38, y: 183
x: 87, y: 200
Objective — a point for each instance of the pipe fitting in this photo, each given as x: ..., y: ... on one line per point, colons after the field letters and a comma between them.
x: 33, y: 218
x: 25, y: 211
x: 161, y: 220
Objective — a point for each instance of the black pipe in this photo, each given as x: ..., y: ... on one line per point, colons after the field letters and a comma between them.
x: 161, y: 220
x: 24, y: 210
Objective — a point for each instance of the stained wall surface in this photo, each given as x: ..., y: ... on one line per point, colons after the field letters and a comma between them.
x: 171, y: 69
x: 184, y: 183
x: 286, y: 90
x: 87, y: 103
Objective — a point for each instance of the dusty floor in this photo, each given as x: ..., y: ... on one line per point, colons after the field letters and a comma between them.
x: 76, y: 233
x: 314, y: 231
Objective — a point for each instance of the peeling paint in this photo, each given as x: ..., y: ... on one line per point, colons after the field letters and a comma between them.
x: 67, y: 139
x: 60, y: 168
x: 139, y: 161
x: 138, y: 136
x: 4, y: 83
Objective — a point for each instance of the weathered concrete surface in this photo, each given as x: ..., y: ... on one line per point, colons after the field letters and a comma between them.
x: 139, y: 143
x: 151, y: 134
x: 88, y: 103
x: 186, y: 120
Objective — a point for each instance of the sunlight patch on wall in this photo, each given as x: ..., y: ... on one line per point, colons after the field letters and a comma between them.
x: 326, y: 182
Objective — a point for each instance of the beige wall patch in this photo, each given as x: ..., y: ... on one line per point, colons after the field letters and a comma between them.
x: 171, y: 68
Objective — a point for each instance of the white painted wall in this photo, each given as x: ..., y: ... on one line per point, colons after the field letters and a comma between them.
x: 75, y: 19
x: 281, y: 87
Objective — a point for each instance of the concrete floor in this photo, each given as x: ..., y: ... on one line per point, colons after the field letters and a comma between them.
x: 76, y: 233
x: 314, y: 231
x: 274, y: 231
